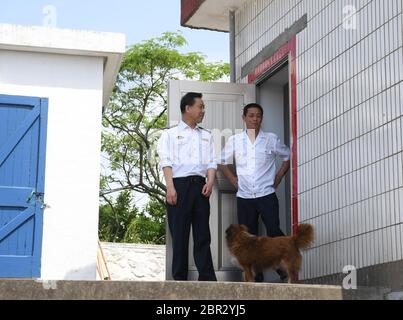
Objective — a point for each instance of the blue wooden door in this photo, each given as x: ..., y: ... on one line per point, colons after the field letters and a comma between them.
x: 23, y: 123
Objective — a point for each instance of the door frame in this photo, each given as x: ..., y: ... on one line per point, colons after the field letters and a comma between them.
x: 40, y: 187
x: 287, y: 53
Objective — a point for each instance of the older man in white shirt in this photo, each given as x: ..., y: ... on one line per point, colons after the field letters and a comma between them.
x: 255, y: 153
x: 187, y: 155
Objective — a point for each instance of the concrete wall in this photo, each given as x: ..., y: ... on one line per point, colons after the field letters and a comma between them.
x: 73, y: 85
x: 349, y: 117
x: 140, y: 262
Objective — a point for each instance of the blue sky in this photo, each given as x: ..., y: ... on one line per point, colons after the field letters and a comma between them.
x: 139, y: 20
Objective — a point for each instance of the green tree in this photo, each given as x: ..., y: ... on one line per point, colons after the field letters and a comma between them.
x: 121, y: 221
x: 132, y: 122
x: 137, y: 111
x: 115, y: 218
x: 149, y: 226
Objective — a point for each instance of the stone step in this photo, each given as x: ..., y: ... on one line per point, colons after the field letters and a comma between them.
x: 28, y: 289
x: 396, y: 295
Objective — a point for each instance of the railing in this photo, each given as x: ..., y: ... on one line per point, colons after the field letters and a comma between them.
x: 102, y: 266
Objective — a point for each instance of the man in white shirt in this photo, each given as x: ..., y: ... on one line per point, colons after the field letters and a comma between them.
x: 187, y: 154
x: 255, y: 153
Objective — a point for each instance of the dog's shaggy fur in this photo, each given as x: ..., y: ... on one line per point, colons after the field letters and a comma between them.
x: 255, y: 254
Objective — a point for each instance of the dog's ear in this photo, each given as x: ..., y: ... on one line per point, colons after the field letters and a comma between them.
x: 229, y: 232
x: 229, y: 228
x: 244, y: 228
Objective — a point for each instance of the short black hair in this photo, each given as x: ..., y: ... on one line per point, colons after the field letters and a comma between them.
x: 252, y: 105
x: 189, y: 99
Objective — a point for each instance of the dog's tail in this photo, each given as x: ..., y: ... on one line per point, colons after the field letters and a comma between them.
x: 304, y: 236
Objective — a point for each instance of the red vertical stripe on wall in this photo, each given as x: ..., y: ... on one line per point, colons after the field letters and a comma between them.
x: 294, y: 150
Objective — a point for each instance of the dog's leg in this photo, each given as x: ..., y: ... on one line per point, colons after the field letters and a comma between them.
x: 293, y: 267
x: 293, y: 276
x: 249, y: 277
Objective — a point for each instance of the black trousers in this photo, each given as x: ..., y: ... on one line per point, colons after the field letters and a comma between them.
x: 248, y: 211
x: 191, y: 209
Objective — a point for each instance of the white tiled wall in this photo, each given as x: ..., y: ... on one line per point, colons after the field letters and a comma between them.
x: 350, y: 124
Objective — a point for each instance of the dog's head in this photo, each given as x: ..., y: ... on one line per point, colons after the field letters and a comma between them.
x: 233, y: 230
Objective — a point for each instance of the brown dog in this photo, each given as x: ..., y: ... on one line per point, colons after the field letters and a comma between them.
x: 258, y: 253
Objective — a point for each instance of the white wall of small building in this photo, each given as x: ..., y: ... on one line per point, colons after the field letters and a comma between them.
x: 350, y: 130
x: 73, y: 85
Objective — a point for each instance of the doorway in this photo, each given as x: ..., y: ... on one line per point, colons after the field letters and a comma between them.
x: 273, y: 95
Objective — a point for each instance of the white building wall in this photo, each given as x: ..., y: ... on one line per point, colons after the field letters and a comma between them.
x: 73, y: 85
x: 350, y: 107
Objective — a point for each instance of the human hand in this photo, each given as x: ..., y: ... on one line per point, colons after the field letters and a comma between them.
x: 277, y: 180
x: 207, y: 189
x: 171, y: 196
x: 234, y: 182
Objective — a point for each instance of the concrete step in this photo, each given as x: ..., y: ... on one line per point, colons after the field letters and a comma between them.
x: 366, y: 293
x: 396, y: 295
x: 27, y: 289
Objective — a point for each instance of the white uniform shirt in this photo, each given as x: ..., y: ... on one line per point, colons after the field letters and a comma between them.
x: 188, y: 151
x: 255, y: 162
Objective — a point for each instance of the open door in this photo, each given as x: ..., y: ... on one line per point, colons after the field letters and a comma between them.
x: 224, y: 104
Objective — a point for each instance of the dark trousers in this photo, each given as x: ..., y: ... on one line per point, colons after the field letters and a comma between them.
x: 267, y: 207
x: 191, y: 209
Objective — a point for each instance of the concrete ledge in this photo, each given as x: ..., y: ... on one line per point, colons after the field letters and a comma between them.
x: 394, y: 296
x: 14, y: 289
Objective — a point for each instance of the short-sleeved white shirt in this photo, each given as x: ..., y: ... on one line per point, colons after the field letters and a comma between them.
x: 188, y: 151
x: 255, y: 162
